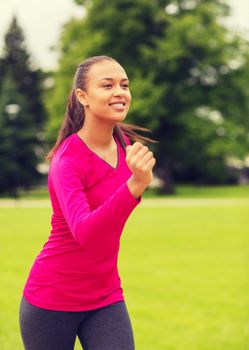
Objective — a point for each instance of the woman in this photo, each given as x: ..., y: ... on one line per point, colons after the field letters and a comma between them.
x: 74, y: 288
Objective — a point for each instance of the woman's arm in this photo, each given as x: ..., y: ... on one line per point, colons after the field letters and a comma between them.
x: 90, y: 227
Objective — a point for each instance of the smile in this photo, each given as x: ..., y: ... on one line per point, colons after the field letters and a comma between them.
x: 117, y: 106
x: 117, y: 103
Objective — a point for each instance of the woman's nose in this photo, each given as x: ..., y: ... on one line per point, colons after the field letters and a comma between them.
x: 118, y: 91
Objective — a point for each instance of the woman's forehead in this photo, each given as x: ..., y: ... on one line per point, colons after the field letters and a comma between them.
x: 107, y: 70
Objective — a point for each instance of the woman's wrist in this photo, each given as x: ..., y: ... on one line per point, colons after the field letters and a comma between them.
x: 136, y: 188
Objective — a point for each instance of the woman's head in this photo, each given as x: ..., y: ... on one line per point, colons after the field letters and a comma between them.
x: 102, y: 88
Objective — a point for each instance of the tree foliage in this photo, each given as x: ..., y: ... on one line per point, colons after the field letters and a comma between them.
x: 188, y: 75
x: 22, y: 115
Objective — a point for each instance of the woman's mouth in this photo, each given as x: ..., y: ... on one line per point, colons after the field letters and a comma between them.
x: 118, y: 106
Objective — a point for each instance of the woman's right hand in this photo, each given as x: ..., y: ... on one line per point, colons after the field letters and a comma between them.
x: 140, y: 161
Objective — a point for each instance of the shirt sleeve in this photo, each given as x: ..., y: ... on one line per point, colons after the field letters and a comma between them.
x: 89, y: 227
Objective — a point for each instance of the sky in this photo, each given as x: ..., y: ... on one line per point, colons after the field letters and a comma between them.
x: 42, y: 22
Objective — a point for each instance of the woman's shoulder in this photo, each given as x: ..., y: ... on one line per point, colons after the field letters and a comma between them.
x: 72, y: 147
x: 70, y: 155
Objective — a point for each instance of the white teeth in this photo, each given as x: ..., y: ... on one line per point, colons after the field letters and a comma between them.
x: 117, y: 105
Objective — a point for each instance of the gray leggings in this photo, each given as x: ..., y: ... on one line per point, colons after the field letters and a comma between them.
x: 106, y: 328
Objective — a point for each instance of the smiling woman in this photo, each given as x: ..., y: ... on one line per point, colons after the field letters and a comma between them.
x: 100, y: 90
x: 95, y: 181
x: 106, y: 97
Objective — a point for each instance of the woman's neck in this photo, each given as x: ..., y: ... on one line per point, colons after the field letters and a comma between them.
x: 97, y: 133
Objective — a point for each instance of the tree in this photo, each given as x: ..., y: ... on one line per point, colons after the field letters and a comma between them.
x: 17, y: 141
x: 188, y: 78
x: 22, y: 115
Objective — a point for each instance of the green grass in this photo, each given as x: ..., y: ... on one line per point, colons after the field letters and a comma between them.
x: 231, y: 191
x: 195, y: 191
x: 184, y: 272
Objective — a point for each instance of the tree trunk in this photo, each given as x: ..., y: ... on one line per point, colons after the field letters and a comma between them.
x: 165, y: 173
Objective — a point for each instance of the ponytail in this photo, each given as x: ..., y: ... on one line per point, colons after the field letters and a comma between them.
x: 128, y: 129
x: 73, y: 122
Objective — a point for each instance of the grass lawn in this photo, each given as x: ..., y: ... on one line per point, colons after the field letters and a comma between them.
x: 184, y: 272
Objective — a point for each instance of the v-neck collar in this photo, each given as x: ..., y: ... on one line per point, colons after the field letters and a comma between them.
x: 96, y: 155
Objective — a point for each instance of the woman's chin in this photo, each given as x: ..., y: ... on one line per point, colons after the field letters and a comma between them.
x: 111, y: 118
x: 117, y: 117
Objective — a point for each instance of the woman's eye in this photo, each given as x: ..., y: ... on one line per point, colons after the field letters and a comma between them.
x: 109, y: 86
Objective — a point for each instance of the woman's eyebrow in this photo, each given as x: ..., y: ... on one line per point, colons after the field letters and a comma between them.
x: 111, y: 79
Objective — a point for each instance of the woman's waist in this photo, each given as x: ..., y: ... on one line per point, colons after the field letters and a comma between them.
x: 73, y: 260
x: 69, y: 279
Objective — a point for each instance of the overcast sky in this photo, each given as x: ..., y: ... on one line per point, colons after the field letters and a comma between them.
x: 41, y: 21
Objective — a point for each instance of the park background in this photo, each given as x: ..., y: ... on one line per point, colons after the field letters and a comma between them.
x: 184, y: 252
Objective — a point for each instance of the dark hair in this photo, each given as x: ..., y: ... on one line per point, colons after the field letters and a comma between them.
x: 75, y: 114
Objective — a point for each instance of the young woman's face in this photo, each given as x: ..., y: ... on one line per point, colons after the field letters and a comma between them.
x: 108, y: 95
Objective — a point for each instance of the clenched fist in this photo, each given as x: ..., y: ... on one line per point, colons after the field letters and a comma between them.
x: 140, y: 161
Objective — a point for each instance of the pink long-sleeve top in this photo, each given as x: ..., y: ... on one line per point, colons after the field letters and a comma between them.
x: 77, y: 268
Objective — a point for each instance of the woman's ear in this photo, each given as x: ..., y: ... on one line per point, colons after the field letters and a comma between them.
x: 82, y: 97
